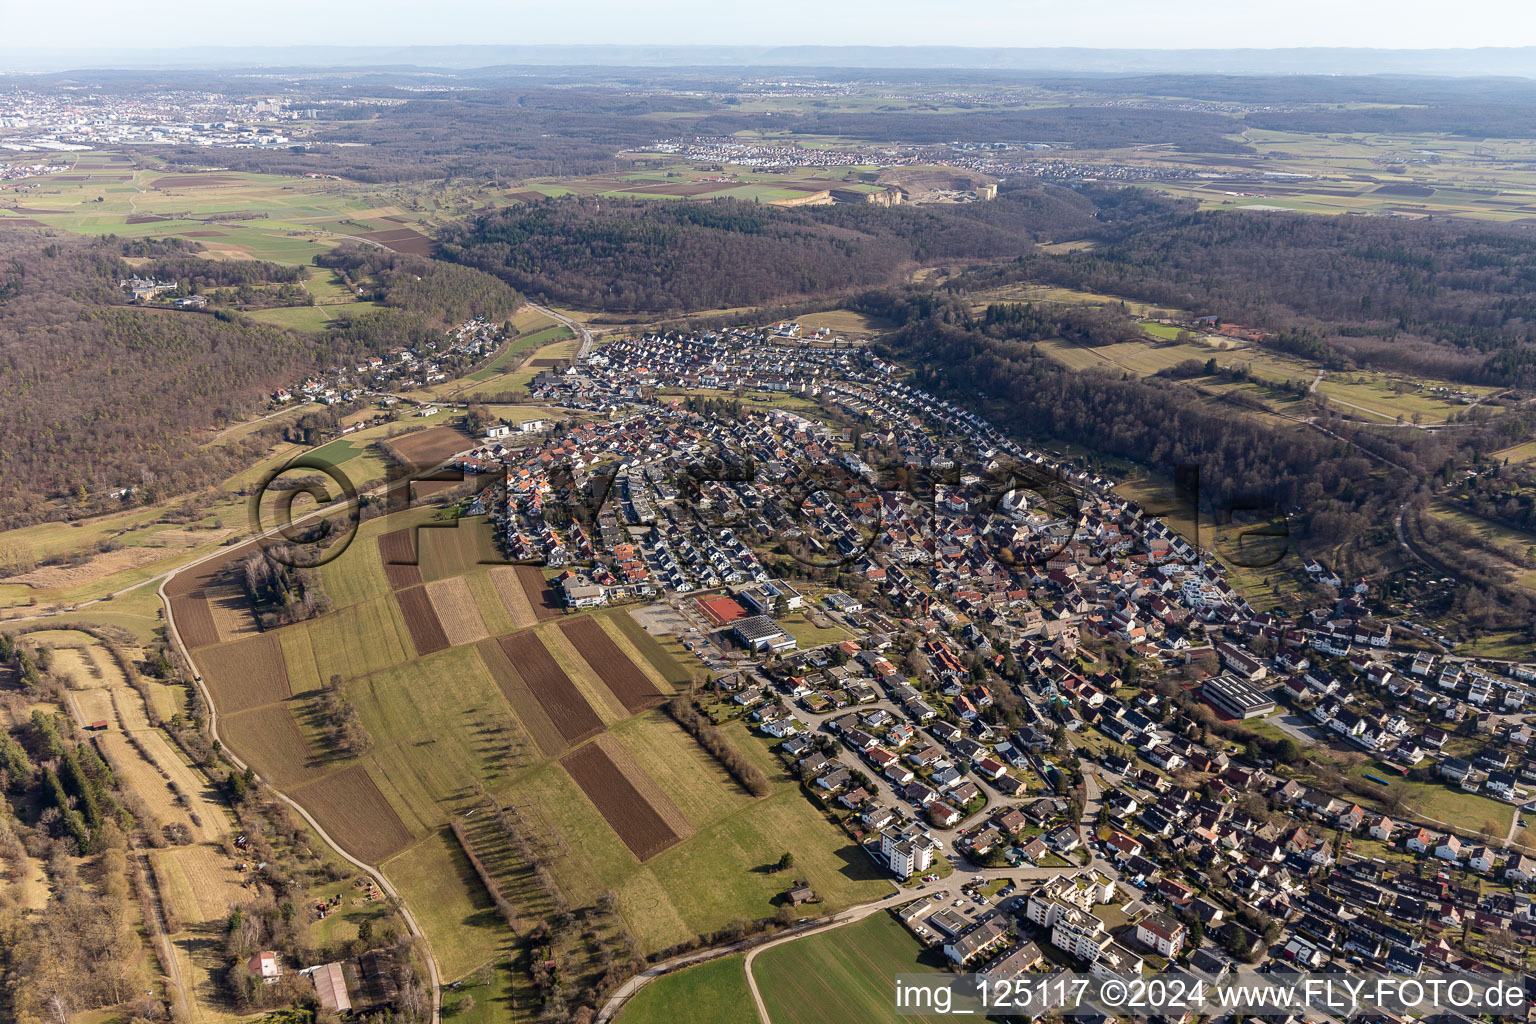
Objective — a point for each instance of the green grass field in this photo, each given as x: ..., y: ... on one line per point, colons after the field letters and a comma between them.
x: 357, y: 639
x: 438, y: 883
x: 667, y: 899
x: 1519, y: 453
x: 807, y: 634
x: 296, y: 318
x: 1450, y: 804
x: 310, y: 318
x: 439, y: 726
x: 519, y: 347
x: 846, y: 974
x: 710, y: 993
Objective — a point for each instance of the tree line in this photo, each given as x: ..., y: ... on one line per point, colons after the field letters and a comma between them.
x: 747, y: 775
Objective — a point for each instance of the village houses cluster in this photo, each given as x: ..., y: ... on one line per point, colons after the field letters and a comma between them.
x: 959, y: 725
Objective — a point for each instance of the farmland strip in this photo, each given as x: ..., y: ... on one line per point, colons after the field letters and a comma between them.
x: 546, y: 604
x: 399, y: 558
x: 268, y: 739
x: 525, y: 706
x: 617, y: 672
x: 194, y: 620
x: 553, y: 689
x: 426, y: 631
x: 353, y: 812
x: 509, y: 588
x: 641, y: 827
x: 455, y: 607
x: 246, y: 674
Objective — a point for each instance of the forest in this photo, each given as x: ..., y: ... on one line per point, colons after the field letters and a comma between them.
x: 1445, y: 298
x: 83, y: 950
x: 478, y: 133
x: 98, y: 394
x: 637, y: 255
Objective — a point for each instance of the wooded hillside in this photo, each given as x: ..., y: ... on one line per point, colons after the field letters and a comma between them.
x: 1446, y: 298
x: 97, y: 394
x: 630, y: 256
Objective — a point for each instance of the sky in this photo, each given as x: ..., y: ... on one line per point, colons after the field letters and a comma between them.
x: 1149, y: 24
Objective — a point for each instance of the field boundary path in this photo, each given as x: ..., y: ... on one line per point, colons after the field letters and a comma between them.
x: 755, y: 944
x: 213, y: 730
x: 848, y: 916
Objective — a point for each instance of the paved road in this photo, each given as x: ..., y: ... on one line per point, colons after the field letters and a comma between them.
x: 756, y: 944
x: 848, y: 916
x: 577, y: 327
x: 213, y: 730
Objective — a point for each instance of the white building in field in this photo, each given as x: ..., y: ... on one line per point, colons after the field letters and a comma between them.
x: 908, y: 849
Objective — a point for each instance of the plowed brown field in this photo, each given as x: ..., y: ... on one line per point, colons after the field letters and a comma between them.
x: 541, y: 596
x: 525, y: 706
x: 270, y: 741
x: 613, y: 791
x: 426, y: 448
x: 399, y: 558
x: 426, y: 631
x: 354, y: 813
x: 615, y: 669
x: 194, y: 620
x: 553, y: 689
x: 245, y: 673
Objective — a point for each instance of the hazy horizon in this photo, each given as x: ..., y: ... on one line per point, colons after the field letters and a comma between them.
x: 1517, y: 61
x: 1111, y: 24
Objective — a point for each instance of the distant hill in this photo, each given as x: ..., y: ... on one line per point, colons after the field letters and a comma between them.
x: 1517, y: 62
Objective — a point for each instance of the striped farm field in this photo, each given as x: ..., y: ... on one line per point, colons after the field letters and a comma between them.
x: 440, y: 727
x: 426, y: 631
x: 628, y: 800
x: 299, y: 659
x: 514, y: 598
x: 353, y: 812
x: 598, y: 697
x: 194, y: 620
x: 572, y: 716
x: 244, y: 674
x: 231, y: 611
x: 398, y: 555
x: 670, y: 668
x: 541, y: 596
x: 455, y: 608
x: 427, y: 448
x: 448, y: 549
x: 488, y: 603
x: 617, y: 672
x: 359, y: 639
x: 535, y: 720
